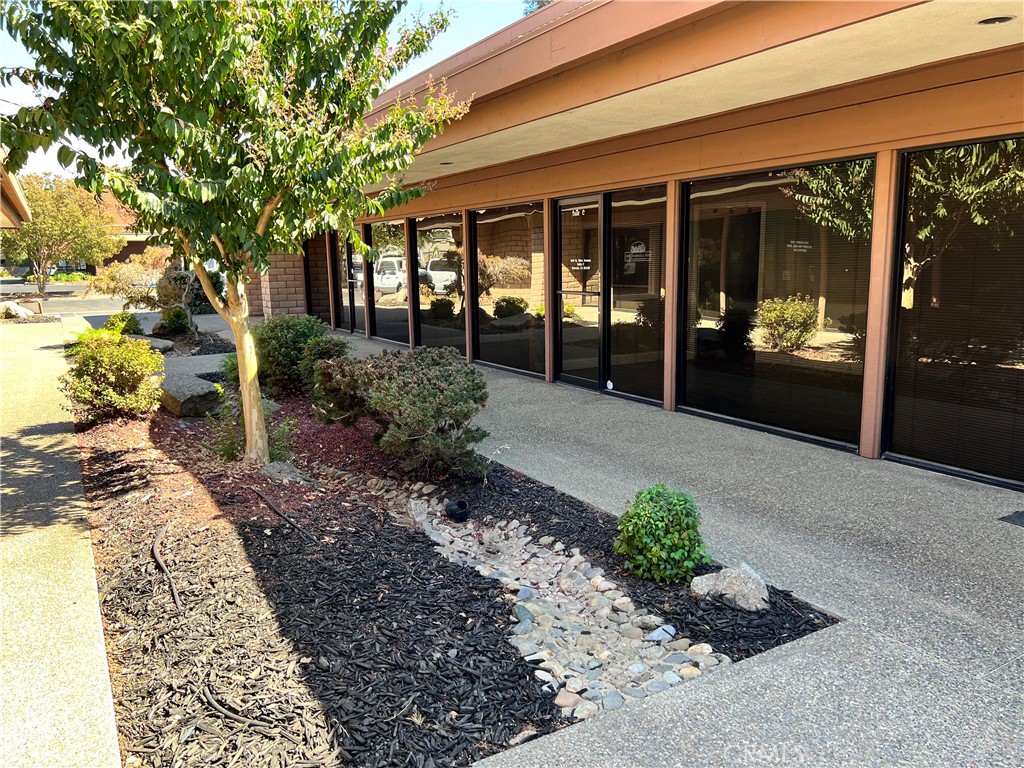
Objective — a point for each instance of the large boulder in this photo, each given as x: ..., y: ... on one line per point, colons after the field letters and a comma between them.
x: 742, y: 585
x: 185, y: 394
x: 12, y: 310
x: 162, y: 346
x: 513, y: 322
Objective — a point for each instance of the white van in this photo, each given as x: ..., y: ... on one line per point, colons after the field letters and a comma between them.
x: 389, y: 275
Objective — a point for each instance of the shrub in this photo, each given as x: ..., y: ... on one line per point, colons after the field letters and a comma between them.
x: 320, y: 348
x: 175, y: 321
x: 177, y: 286
x: 509, y: 306
x: 569, y: 310
x: 856, y: 326
x: 788, y: 324
x: 650, y: 313
x: 70, y: 277
x: 280, y: 342
x: 659, y: 535
x: 734, y: 327
x: 227, y: 429
x: 124, y: 322
x: 424, y: 399
x: 539, y: 312
x: 442, y: 309
x: 112, y: 376
x: 229, y: 367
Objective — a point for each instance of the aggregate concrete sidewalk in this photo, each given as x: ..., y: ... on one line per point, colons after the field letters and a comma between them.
x: 56, y: 709
x: 927, y: 668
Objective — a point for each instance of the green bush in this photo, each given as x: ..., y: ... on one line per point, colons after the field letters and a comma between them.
x: 442, y: 309
x: 227, y: 429
x: 539, y: 312
x: 124, y: 322
x: 788, y: 324
x: 280, y: 342
x: 175, y: 321
x: 229, y: 367
x: 659, y: 535
x: 111, y: 376
x: 70, y: 277
x: 734, y: 327
x: 509, y: 306
x: 320, y: 348
x: 424, y: 399
x: 173, y: 285
x: 856, y: 326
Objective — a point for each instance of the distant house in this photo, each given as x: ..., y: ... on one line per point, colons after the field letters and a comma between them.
x: 135, y: 240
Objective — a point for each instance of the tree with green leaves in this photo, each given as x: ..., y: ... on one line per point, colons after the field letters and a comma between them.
x: 950, y: 189
x: 68, y: 225
x: 529, y: 6
x: 242, y: 122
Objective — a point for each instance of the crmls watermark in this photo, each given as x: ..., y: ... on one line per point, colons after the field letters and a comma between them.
x: 756, y: 754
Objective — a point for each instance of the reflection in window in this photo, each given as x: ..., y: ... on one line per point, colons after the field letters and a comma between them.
x: 777, y: 297
x: 439, y: 246
x: 638, y: 291
x: 510, y: 285
x: 390, y: 292
x: 959, y: 367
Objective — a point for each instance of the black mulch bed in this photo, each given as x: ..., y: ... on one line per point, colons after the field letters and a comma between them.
x: 365, y: 649
x: 506, y: 495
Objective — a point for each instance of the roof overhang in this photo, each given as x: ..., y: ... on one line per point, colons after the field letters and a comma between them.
x: 671, y: 63
x: 14, y: 210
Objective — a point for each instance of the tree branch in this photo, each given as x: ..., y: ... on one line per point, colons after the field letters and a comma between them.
x: 268, y: 210
x: 204, y: 276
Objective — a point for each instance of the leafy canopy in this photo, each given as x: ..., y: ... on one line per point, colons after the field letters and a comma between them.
x: 242, y: 122
x: 68, y: 224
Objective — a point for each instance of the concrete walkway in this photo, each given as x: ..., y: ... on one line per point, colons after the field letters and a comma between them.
x: 56, y: 708
x: 926, y: 670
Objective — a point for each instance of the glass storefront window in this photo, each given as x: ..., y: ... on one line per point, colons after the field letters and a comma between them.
x: 510, y: 285
x: 637, y: 317
x: 390, y: 291
x: 442, y: 312
x: 958, y: 392
x: 777, y: 297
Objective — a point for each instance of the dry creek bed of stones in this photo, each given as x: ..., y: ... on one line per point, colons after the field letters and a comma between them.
x: 368, y: 630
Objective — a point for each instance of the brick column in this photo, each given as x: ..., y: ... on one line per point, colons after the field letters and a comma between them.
x: 254, y: 290
x: 283, y: 287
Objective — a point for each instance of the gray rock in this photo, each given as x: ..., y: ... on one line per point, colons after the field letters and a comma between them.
x: 594, y: 571
x: 633, y: 633
x: 527, y: 593
x: 163, y: 346
x: 671, y: 678
x: 742, y: 585
x: 585, y: 709
x: 660, y: 635
x: 285, y: 472
x: 515, y: 322
x: 593, y: 694
x: 636, y: 669
x: 185, y: 394
x: 648, y: 622
x: 613, y: 700
x: 657, y: 686
x: 523, y: 613
x: 634, y: 692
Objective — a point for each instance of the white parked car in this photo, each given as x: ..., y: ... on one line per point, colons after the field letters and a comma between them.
x: 444, y: 272
x: 389, y: 275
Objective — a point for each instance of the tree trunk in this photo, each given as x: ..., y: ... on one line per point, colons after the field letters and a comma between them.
x: 39, y: 269
x: 257, y: 446
x: 235, y: 311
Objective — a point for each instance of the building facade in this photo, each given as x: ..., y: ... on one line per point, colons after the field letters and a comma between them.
x: 804, y: 217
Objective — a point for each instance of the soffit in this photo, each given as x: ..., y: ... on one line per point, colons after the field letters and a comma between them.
x: 901, y: 40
